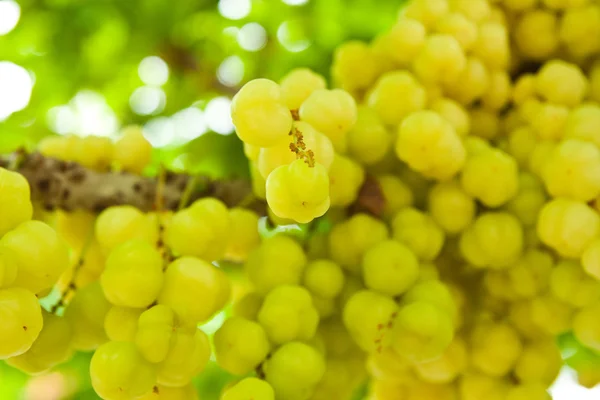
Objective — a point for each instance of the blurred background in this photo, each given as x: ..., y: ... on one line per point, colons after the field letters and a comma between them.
x: 90, y: 67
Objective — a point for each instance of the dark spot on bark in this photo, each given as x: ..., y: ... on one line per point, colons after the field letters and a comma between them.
x: 77, y: 176
x: 119, y: 197
x: 137, y: 187
x: 43, y: 184
x: 66, y: 194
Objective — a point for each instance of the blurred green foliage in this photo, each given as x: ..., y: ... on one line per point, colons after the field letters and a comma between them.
x: 94, y: 49
x: 71, y: 45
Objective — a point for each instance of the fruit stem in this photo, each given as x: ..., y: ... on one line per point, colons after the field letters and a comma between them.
x: 299, y: 147
x: 72, y: 286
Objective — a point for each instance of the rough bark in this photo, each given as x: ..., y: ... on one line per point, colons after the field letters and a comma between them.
x: 57, y: 184
x: 69, y: 186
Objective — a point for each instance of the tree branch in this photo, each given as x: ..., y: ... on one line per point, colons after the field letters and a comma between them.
x: 69, y: 186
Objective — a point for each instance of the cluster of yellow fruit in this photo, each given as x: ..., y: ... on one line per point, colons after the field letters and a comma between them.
x: 32, y: 257
x: 483, y: 249
x: 137, y: 290
x: 488, y: 244
x: 291, y: 132
x: 130, y: 153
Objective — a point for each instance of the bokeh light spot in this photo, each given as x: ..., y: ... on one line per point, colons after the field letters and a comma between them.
x: 159, y: 131
x: 86, y: 114
x: 15, y: 88
x: 190, y: 123
x: 252, y: 37
x: 147, y: 100
x: 291, y: 35
x: 62, y: 120
x: 218, y: 116
x: 231, y: 71
x: 566, y: 388
x: 295, y: 2
x: 154, y: 71
x: 235, y: 9
x: 10, y: 12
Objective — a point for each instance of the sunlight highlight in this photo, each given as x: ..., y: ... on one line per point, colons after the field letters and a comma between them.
x: 86, y: 114
x: 218, y: 116
x: 252, y: 37
x: 10, y: 12
x: 235, y: 9
x: 566, y: 388
x: 231, y: 71
x: 153, y: 71
x: 15, y: 88
x: 147, y: 100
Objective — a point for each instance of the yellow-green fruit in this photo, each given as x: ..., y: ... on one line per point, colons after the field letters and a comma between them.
x: 298, y: 191
x: 200, y: 230
x: 586, y: 326
x: 419, y: 232
x: 191, y: 288
x: 568, y: 226
x: 119, y: 372
x: 260, y: 116
x: 277, y: 261
x: 116, y: 225
x: 430, y: 145
x: 495, y: 348
x: 133, y: 275
x: 324, y: 278
x: 8, y: 268
x: 390, y: 267
x: 298, y: 84
x: 15, y: 203
x: 240, y: 345
x: 573, y: 170
x: 287, y: 313
x: 349, y: 239
x: 367, y: 316
x: 491, y: 176
x: 40, y: 254
x: 86, y: 313
x: 52, y: 347
x: 161, y: 392
x: 249, y: 389
x: 188, y: 354
x: 561, y: 82
x: 120, y: 323
x: 132, y: 151
x: 354, y: 67
x: 479, y: 242
x: 390, y: 107
x: 154, y: 329
x: 21, y: 317
x: 294, y: 370
x: 421, y: 331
